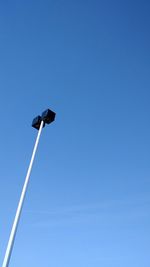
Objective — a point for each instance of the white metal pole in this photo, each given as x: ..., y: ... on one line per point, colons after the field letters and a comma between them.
x: 20, y: 205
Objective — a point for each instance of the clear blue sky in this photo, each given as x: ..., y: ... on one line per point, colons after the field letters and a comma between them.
x: 88, y: 203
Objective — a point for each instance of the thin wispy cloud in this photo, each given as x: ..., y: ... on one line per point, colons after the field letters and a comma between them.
x: 127, y: 209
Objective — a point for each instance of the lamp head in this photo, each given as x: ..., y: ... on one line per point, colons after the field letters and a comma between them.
x: 36, y: 122
x: 48, y: 116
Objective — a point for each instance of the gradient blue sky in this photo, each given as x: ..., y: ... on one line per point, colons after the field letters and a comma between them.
x: 88, y: 203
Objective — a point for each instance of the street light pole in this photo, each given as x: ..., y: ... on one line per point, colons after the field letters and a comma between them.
x: 39, y: 122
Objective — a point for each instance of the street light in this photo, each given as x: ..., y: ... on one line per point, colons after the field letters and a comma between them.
x: 38, y: 123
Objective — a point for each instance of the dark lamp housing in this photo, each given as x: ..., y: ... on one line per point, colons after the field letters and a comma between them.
x: 36, y: 122
x: 48, y: 116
